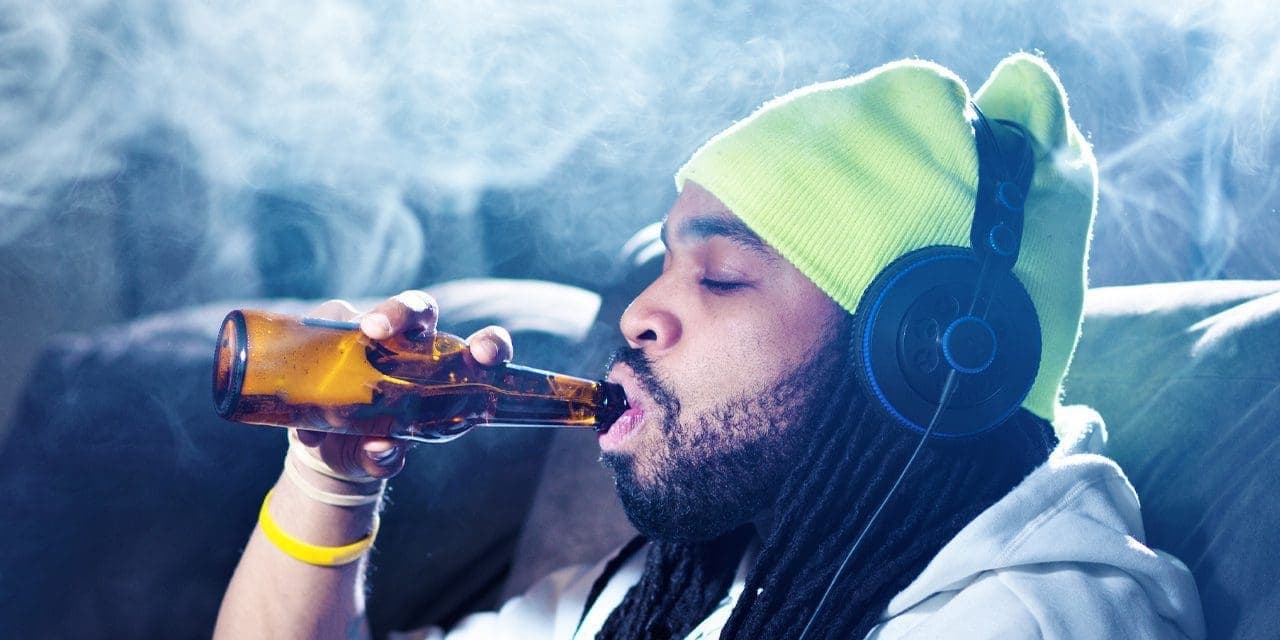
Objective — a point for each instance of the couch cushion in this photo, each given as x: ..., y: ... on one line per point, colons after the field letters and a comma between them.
x: 1187, y: 377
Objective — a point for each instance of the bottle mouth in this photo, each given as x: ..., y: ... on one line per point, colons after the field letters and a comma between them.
x: 611, y: 406
x: 230, y: 355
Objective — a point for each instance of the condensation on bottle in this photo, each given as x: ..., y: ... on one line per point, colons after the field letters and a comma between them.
x: 280, y: 370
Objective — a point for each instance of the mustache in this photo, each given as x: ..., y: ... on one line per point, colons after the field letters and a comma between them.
x: 642, y: 366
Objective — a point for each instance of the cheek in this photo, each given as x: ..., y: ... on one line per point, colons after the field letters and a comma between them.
x: 744, y: 353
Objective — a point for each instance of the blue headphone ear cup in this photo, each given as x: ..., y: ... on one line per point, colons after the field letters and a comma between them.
x: 905, y: 351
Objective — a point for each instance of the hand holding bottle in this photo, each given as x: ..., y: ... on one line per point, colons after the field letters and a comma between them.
x: 388, y: 374
x: 411, y: 314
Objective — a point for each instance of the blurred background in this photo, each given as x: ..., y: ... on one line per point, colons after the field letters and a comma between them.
x: 155, y: 155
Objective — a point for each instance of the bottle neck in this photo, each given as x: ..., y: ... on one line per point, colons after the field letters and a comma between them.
x: 534, y: 397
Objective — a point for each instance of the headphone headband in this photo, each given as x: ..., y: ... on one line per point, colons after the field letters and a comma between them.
x: 1006, y: 165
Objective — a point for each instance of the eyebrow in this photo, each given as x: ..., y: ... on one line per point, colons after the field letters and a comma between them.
x: 721, y: 224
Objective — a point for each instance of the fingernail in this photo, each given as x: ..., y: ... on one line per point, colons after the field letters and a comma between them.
x: 381, y: 457
x: 486, y: 350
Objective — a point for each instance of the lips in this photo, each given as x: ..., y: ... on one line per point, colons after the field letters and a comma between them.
x: 629, y: 422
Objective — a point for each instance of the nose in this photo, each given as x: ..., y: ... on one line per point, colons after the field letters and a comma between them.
x: 650, y: 322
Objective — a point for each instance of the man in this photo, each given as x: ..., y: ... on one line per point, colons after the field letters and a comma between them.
x: 778, y: 488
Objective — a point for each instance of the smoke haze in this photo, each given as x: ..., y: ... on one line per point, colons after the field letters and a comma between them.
x: 327, y: 148
x: 157, y: 155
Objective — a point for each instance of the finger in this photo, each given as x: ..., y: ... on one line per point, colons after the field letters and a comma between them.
x: 383, y: 457
x: 334, y: 310
x: 408, y: 311
x: 343, y: 453
x: 491, y: 345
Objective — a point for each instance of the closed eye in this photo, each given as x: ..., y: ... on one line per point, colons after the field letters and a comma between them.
x: 721, y: 286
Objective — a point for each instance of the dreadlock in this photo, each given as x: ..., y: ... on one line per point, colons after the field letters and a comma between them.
x: 852, y: 460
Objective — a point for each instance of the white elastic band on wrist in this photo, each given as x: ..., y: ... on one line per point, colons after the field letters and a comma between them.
x: 299, y: 450
x: 327, y: 497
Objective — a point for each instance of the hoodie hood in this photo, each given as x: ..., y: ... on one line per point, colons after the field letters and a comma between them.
x: 1063, y: 555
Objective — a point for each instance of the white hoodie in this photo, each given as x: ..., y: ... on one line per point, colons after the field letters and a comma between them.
x: 1061, y: 556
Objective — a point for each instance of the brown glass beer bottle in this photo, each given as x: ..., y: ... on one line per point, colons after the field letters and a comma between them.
x: 326, y: 375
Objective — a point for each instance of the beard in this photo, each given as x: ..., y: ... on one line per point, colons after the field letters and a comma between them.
x: 723, y: 466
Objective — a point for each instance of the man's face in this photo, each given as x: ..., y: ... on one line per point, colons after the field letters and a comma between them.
x: 729, y: 354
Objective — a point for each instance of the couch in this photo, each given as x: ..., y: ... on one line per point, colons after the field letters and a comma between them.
x: 127, y: 501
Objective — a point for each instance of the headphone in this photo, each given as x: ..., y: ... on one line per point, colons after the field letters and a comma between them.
x: 946, y: 309
x: 947, y: 338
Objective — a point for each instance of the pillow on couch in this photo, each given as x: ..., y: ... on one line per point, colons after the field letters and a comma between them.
x: 1187, y: 377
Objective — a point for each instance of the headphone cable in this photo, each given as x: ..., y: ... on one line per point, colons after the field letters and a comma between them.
x: 947, y: 389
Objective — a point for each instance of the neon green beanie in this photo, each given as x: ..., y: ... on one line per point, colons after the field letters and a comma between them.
x: 843, y: 177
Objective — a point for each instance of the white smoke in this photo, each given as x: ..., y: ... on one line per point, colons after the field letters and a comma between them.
x: 1202, y: 78
x: 377, y: 103
x: 584, y: 108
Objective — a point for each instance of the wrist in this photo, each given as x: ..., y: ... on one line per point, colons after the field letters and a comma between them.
x: 327, y: 489
x: 306, y: 457
x: 323, y: 483
x: 317, y: 522
x: 313, y: 502
x: 306, y: 551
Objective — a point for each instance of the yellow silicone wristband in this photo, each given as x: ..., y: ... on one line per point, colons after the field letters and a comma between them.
x: 311, y: 553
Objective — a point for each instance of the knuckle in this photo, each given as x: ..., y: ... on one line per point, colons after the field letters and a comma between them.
x: 498, y: 338
x: 497, y: 335
x: 335, y: 309
x: 419, y: 302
